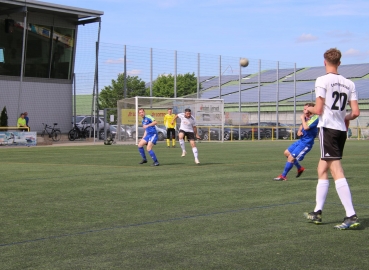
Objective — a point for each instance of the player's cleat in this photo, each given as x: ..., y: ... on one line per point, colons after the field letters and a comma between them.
x: 348, y: 223
x: 183, y: 153
x: 173, y: 146
x: 280, y: 178
x: 168, y: 146
x: 315, y: 217
x: 197, y: 161
x: 156, y: 163
x: 300, y: 171
x: 143, y: 161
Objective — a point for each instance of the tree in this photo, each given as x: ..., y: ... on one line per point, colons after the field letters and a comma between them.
x: 109, y: 96
x: 4, y: 118
x: 163, y: 86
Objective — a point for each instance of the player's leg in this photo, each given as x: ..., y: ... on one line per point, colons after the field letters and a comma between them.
x: 173, y: 137
x: 289, y: 163
x: 141, y: 150
x: 191, y: 137
x: 168, y: 137
x: 152, y: 141
x: 181, y: 135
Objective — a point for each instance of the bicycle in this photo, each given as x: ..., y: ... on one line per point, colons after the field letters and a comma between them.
x: 53, y: 132
x: 80, y: 133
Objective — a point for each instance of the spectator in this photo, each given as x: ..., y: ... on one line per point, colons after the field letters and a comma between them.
x: 21, y: 123
x: 27, y: 119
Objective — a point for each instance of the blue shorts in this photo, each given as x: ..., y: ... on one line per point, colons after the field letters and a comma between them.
x: 298, y: 150
x: 151, y: 138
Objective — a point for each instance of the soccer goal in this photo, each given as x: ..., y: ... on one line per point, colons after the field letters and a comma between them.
x: 207, y: 112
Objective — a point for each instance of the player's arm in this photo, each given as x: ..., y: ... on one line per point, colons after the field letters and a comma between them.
x: 195, y: 131
x: 166, y: 121
x: 299, y: 131
x: 319, y: 106
x: 304, y: 123
x: 174, y: 119
x: 355, y: 112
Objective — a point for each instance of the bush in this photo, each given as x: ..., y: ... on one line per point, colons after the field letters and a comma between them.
x: 4, y: 118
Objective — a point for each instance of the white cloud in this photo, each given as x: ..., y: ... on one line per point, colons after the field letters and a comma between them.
x: 355, y: 53
x: 134, y: 72
x: 306, y: 38
x: 115, y: 61
x: 340, y: 34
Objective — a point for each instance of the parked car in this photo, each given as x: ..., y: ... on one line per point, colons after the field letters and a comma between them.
x: 250, y: 131
x: 83, y: 120
x: 232, y: 133
x: 162, y: 133
x: 213, y: 133
x: 125, y: 133
x: 208, y: 133
x: 266, y: 129
x: 291, y: 128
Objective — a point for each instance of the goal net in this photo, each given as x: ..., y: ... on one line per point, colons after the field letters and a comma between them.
x: 207, y: 112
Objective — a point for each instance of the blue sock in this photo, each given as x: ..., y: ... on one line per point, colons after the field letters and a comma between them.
x: 152, y: 155
x: 287, y: 168
x: 142, y: 152
x: 297, y: 164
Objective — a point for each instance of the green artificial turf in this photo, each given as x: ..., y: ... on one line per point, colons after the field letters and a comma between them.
x: 95, y: 207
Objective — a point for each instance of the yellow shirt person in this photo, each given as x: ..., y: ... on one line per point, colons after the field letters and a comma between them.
x: 171, y: 128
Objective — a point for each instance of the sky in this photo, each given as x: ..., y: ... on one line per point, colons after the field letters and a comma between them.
x: 278, y: 30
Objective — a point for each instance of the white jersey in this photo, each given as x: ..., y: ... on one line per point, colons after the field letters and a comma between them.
x: 337, y: 91
x: 187, y: 124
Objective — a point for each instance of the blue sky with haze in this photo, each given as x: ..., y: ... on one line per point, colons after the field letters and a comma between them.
x: 281, y: 30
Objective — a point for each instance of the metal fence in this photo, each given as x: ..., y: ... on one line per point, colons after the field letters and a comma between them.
x: 265, y: 90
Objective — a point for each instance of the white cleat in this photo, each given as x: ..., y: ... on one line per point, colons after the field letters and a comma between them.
x: 197, y: 161
x: 183, y: 153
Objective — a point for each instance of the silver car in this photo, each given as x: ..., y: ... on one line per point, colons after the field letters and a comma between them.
x: 162, y: 132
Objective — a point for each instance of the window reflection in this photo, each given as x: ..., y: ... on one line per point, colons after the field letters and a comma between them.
x: 48, y: 54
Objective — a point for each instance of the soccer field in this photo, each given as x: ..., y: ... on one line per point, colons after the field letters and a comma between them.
x: 95, y: 207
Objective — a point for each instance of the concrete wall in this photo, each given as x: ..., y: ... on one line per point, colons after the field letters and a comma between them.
x: 46, y: 102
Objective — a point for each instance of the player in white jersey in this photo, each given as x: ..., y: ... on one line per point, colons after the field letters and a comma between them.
x: 333, y: 93
x: 188, y: 129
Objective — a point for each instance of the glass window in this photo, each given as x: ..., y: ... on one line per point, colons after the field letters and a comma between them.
x: 37, y: 51
x: 62, y: 53
x: 11, y: 40
x: 48, y: 53
x: 2, y: 60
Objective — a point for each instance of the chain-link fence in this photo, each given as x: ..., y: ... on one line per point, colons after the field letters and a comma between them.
x: 265, y: 93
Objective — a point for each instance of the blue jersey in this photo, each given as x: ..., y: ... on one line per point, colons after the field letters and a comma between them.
x: 309, y: 135
x: 148, y: 119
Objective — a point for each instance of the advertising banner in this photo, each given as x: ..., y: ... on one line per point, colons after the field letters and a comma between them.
x: 129, y: 116
x: 18, y: 138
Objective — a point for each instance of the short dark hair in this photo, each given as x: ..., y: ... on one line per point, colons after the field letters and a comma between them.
x: 187, y: 110
x: 310, y: 104
x: 333, y: 56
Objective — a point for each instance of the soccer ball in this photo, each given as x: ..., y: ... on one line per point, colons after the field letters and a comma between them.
x: 244, y: 62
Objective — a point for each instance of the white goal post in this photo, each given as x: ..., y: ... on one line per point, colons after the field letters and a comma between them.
x: 207, y: 112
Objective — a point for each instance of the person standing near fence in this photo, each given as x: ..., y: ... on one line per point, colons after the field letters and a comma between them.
x: 27, y: 119
x: 171, y: 127
x: 188, y: 129
x: 333, y: 93
x: 297, y: 151
x: 149, y: 138
x: 21, y: 123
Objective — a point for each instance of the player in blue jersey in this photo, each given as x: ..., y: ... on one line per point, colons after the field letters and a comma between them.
x: 297, y: 151
x: 149, y: 138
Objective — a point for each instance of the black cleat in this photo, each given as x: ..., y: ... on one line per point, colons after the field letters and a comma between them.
x: 156, y: 163
x: 143, y: 161
x: 315, y: 217
x: 348, y: 223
